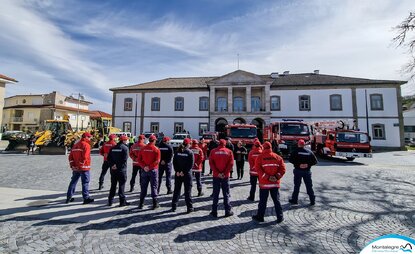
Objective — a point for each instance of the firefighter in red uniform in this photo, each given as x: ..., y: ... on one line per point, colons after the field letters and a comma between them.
x: 80, y: 162
x: 204, y: 148
x: 221, y: 163
x: 149, y: 159
x: 253, y: 155
x: 104, y: 150
x: 134, y: 150
x: 197, y: 165
x: 270, y: 168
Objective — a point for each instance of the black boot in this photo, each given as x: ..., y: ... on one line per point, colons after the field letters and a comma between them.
x: 169, y: 191
x: 140, y: 206
x: 131, y: 188
x: 101, y: 186
x: 155, y: 204
x: 200, y: 193
x: 124, y: 202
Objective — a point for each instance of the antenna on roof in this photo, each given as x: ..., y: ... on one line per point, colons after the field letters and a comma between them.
x: 238, y: 61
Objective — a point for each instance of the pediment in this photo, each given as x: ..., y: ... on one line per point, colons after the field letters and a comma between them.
x: 238, y: 76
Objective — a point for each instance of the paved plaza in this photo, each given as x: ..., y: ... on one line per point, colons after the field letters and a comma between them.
x: 356, y: 202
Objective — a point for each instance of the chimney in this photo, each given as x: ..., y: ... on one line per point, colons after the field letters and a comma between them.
x: 274, y: 75
x: 286, y: 72
x: 316, y: 72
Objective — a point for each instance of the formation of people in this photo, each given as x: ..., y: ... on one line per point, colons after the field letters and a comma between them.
x: 152, y: 163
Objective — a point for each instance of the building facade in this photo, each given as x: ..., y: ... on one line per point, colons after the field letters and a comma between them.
x: 210, y: 103
x: 29, y: 112
x: 3, y: 81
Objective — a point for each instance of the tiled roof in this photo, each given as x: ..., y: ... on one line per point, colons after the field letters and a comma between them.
x: 302, y: 79
x: 7, y: 78
x: 169, y: 83
x: 322, y: 79
x: 97, y: 113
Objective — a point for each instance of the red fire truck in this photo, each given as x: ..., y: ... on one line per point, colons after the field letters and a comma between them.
x: 242, y: 132
x: 284, y: 135
x: 336, y: 139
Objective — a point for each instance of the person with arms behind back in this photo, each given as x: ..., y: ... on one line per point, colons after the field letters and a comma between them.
x: 270, y: 168
x: 302, y: 159
x: 117, y: 160
x: 183, y: 161
x: 80, y: 163
x: 149, y: 159
x: 221, y: 162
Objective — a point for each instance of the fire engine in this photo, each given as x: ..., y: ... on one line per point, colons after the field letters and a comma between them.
x: 334, y: 138
x: 284, y: 135
x: 246, y: 133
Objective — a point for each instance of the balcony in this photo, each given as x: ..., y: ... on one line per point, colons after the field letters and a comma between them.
x: 221, y: 109
x: 17, y: 119
x: 257, y: 110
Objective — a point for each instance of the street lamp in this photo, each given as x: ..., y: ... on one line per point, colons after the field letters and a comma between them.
x: 80, y: 97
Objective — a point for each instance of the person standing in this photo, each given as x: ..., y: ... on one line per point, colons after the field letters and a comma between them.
x: 80, y: 163
x: 230, y: 146
x: 204, y: 148
x: 240, y: 154
x: 149, y: 159
x: 117, y: 160
x: 31, y: 144
x: 302, y: 159
x: 212, y: 145
x: 270, y: 168
x: 252, y: 156
x: 183, y: 162
x: 197, y: 165
x: 104, y: 150
x: 135, y: 149
x: 166, y: 153
x: 221, y: 163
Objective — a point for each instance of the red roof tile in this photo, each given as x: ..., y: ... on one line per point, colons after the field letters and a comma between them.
x: 7, y: 78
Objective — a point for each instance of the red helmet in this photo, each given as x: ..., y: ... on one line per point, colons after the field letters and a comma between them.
x: 112, y: 136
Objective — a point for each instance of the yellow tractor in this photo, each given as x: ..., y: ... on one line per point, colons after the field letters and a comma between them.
x: 52, y: 139
x: 101, y: 127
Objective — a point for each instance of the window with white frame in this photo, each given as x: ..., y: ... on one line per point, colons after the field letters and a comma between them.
x: 203, y: 127
x: 275, y: 103
x: 128, y: 104
x: 155, y: 104
x: 376, y: 102
x: 336, y: 102
x: 178, y: 127
x: 126, y: 126
x: 304, y: 102
x: 203, y: 103
x: 179, y: 104
x: 155, y: 127
x: 378, y: 131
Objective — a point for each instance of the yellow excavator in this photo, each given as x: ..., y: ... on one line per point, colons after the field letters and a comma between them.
x: 54, y: 137
x: 101, y: 127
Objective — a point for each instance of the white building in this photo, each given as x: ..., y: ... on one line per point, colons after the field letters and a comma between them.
x: 409, y: 124
x: 209, y: 103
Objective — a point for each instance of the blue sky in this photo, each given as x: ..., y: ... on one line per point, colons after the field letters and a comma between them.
x: 90, y: 46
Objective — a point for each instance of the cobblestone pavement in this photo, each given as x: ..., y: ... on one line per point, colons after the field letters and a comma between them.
x: 356, y: 202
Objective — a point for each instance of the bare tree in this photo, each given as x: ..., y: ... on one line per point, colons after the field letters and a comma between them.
x: 406, y: 39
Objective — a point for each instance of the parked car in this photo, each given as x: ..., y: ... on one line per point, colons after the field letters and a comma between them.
x: 8, y: 134
x: 177, y: 139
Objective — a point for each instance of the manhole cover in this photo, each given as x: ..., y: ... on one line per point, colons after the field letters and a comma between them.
x: 38, y: 203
